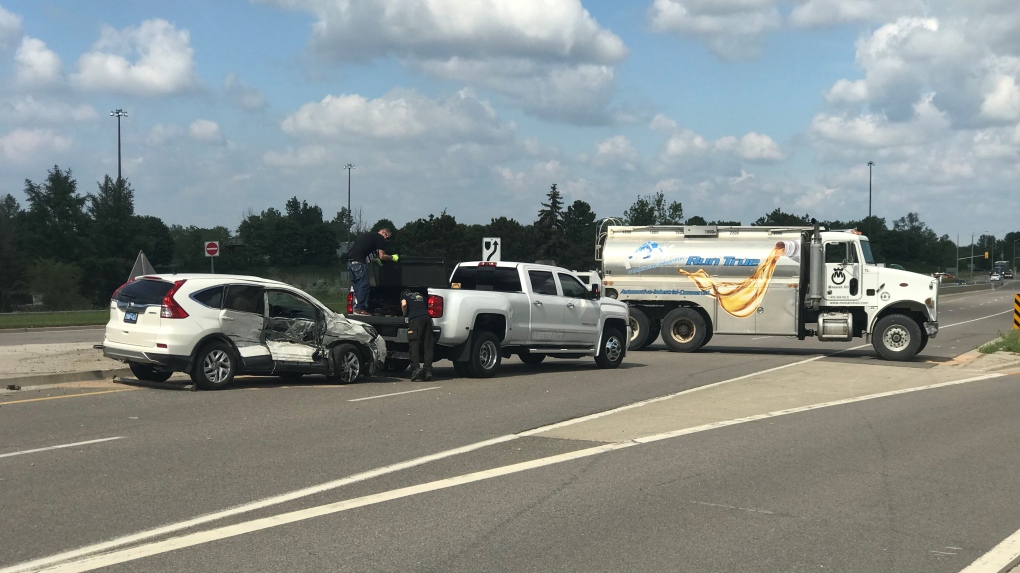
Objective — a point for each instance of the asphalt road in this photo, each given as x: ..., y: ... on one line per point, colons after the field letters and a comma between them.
x: 922, y: 481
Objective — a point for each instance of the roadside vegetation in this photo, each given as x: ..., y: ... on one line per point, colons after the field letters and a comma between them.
x: 50, y: 319
x: 1007, y: 342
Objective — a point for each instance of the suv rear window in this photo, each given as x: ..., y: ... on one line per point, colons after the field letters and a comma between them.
x: 144, y: 292
x: 499, y: 279
x: 211, y: 297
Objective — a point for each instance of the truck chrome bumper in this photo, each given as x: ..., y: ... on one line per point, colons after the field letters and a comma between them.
x: 932, y: 328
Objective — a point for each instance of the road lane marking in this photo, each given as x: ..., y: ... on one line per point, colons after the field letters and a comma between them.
x: 91, y: 560
x: 1002, y: 557
x: 394, y: 394
x: 40, y: 564
x: 977, y: 319
x: 21, y: 453
x: 66, y: 396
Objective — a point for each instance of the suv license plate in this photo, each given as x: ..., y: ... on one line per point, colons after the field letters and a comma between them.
x: 131, y: 317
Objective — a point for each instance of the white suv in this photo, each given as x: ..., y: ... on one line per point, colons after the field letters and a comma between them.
x: 216, y: 326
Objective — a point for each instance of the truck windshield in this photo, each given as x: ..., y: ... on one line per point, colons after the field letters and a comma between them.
x: 866, y: 249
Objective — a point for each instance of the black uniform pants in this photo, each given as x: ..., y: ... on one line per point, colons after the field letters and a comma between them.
x: 421, y: 339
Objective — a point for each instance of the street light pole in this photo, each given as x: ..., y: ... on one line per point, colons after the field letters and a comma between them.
x: 350, y: 217
x: 118, y: 113
x: 870, y: 165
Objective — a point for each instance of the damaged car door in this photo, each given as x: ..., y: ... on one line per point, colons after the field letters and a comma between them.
x: 242, y: 320
x: 294, y: 327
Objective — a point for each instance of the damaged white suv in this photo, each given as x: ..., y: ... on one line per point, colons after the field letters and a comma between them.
x: 216, y: 326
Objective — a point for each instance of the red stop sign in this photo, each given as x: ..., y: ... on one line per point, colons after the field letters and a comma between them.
x: 212, y: 248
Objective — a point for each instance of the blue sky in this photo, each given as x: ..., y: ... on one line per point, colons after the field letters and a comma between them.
x: 731, y: 107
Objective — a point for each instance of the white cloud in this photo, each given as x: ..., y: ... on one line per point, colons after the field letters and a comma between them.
x: 617, y: 151
x: 37, y: 64
x: 752, y: 147
x: 32, y: 110
x: 206, y: 131
x: 163, y: 61
x: 306, y: 156
x: 817, y: 13
x: 1003, y: 102
x: 876, y: 131
x: 662, y: 123
x: 242, y: 94
x: 10, y: 29
x: 399, y: 115
x: 732, y: 28
x: 161, y: 134
x: 686, y: 144
x: 25, y: 145
x: 552, y: 57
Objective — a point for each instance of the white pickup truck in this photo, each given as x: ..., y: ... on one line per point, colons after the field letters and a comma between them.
x: 495, y: 310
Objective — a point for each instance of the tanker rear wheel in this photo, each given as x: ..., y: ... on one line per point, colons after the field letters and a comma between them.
x: 684, y: 330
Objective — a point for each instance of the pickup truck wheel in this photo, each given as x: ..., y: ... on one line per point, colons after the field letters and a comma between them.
x: 214, y: 366
x: 897, y: 337
x: 147, y: 373
x: 531, y: 359
x: 639, y: 329
x: 346, y: 363
x: 485, y: 355
x: 611, y: 351
x: 684, y: 330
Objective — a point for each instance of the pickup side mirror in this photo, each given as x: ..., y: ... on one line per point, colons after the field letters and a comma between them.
x: 596, y: 292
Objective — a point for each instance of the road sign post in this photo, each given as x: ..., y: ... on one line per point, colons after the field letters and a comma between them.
x: 490, y: 249
x: 212, y: 250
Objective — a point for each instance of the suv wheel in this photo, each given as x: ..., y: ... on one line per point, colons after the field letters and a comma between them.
x: 346, y: 363
x: 147, y: 373
x: 214, y: 367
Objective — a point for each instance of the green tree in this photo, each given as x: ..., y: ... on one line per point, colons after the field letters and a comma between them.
x: 653, y: 210
x: 13, y: 262
x: 778, y: 218
x: 56, y: 224
x: 57, y: 282
x: 579, y: 230
x: 519, y: 242
x: 549, y: 226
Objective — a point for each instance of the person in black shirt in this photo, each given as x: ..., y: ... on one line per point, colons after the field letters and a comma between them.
x: 419, y: 333
x: 367, y: 248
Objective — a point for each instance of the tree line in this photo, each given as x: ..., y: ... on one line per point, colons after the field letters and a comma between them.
x: 73, y: 249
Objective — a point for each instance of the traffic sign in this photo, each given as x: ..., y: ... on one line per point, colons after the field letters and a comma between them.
x: 490, y: 249
x: 212, y: 248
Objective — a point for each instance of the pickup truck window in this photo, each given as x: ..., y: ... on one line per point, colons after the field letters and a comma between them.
x: 572, y: 287
x: 499, y: 279
x: 542, y: 282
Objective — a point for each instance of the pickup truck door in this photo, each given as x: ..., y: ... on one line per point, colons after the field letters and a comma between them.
x: 581, y: 314
x: 547, y: 308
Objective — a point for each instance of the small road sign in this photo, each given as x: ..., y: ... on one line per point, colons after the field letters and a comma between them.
x: 490, y: 249
x: 212, y: 248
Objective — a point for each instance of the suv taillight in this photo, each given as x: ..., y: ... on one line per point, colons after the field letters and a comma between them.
x: 170, y: 307
x: 350, y: 302
x: 435, y: 306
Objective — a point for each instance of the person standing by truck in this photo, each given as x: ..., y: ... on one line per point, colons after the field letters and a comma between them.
x: 367, y: 248
x: 419, y: 334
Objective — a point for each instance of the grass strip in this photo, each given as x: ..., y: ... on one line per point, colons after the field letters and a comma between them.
x: 50, y: 319
x: 1008, y: 341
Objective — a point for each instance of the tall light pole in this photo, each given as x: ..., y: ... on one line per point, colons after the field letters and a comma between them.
x: 350, y: 217
x: 1012, y: 263
x: 870, y: 165
x: 118, y: 113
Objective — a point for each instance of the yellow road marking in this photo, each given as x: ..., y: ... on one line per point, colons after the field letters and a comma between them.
x: 66, y: 396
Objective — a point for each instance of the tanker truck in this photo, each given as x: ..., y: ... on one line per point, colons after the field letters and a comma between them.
x: 689, y: 283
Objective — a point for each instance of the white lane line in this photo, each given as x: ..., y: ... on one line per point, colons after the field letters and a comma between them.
x: 977, y: 319
x: 38, y: 564
x: 1002, y: 557
x: 60, y: 446
x: 394, y: 394
x: 93, y: 561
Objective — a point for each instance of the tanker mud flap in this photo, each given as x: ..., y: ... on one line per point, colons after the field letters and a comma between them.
x: 932, y: 328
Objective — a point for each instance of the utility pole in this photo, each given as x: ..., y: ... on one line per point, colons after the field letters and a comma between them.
x: 350, y: 216
x: 118, y: 113
x: 870, y: 165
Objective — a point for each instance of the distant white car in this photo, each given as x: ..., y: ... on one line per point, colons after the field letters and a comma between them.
x: 995, y: 278
x: 216, y: 326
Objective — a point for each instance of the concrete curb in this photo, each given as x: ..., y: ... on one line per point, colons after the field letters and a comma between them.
x: 62, y: 377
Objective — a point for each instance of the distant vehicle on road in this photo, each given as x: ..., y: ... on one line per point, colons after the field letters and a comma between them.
x: 216, y: 326
x: 995, y: 278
